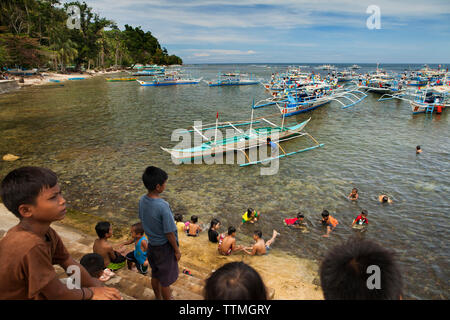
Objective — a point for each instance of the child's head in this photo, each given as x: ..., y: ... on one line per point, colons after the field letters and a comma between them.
x: 231, y: 231
x: 325, y: 214
x: 178, y: 217
x: 194, y: 219
x: 418, y: 148
x: 300, y: 216
x: 250, y: 212
x: 235, y: 281
x: 364, y: 213
x: 215, y: 223
x: 344, y: 272
x: 354, y: 191
x: 154, y: 179
x: 103, y: 229
x: 257, y: 234
x: 94, y: 264
x: 384, y: 199
x: 33, y: 192
x: 137, y: 230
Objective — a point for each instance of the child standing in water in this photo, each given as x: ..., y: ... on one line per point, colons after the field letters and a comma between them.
x: 353, y: 195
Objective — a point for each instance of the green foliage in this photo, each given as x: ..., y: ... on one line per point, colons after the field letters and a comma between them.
x: 34, y: 32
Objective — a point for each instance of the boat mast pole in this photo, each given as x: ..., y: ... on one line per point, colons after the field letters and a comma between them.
x: 251, y: 119
x: 217, y: 122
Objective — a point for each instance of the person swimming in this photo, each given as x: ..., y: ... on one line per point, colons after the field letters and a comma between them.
x: 418, y: 150
x: 384, y: 199
x: 250, y: 215
x: 353, y: 195
x: 295, y: 222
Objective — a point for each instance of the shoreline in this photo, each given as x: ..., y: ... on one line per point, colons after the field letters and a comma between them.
x: 44, y: 78
x: 295, y: 278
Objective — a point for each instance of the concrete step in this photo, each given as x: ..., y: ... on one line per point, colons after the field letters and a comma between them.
x: 188, y: 283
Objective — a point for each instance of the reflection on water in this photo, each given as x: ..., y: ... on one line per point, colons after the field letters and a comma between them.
x: 100, y: 136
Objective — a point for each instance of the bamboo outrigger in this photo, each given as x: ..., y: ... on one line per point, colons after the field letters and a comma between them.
x: 242, y: 140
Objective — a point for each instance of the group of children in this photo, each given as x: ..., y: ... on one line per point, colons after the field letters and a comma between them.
x: 29, y: 250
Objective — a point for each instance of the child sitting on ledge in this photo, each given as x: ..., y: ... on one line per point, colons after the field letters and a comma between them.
x: 113, y: 259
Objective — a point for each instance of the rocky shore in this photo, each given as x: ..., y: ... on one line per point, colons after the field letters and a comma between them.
x: 286, y: 276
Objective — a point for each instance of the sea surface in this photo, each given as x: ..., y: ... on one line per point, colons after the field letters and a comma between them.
x: 100, y: 136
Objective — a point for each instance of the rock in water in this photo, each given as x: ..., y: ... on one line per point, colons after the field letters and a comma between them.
x: 10, y: 157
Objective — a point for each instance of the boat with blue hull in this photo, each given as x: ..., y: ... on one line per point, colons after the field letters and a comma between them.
x: 232, y: 79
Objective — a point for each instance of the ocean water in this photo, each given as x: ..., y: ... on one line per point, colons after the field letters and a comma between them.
x: 100, y: 136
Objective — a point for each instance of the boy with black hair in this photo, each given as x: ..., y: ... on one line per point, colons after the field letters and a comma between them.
x: 113, y: 259
x: 227, y: 245
x: 94, y: 264
x: 344, y: 272
x: 30, y: 249
x: 260, y: 247
x: 295, y: 222
x: 159, y: 225
x: 178, y: 217
x: 328, y: 221
x: 361, y: 219
x: 235, y: 281
x: 139, y: 255
x: 384, y: 199
x: 250, y: 215
x: 193, y: 229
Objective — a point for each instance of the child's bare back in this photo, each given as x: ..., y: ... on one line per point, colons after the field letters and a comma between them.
x: 105, y: 249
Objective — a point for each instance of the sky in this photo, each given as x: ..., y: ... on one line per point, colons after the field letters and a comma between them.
x: 291, y: 31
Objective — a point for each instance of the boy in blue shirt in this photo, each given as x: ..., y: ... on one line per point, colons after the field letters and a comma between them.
x: 139, y: 255
x: 158, y: 222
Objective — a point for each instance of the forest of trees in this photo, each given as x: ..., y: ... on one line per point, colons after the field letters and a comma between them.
x: 34, y: 33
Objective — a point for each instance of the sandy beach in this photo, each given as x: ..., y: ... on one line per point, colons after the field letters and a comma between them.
x: 45, y: 77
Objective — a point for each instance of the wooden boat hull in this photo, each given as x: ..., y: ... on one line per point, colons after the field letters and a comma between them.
x: 303, y: 107
x: 167, y: 83
x: 419, y: 107
x: 232, y: 83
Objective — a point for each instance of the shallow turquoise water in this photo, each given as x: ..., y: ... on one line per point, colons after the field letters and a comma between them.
x: 100, y: 136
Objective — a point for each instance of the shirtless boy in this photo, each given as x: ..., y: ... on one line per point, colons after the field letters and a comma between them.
x: 193, y: 229
x: 260, y: 247
x: 113, y: 259
x: 228, y: 244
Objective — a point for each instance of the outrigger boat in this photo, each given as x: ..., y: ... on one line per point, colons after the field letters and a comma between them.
x: 168, y: 81
x: 426, y: 100
x: 312, y: 97
x: 231, y: 79
x: 241, y: 141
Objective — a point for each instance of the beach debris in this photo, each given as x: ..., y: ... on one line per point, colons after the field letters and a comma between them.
x: 10, y: 157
